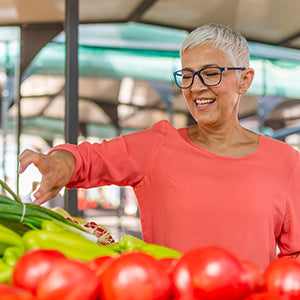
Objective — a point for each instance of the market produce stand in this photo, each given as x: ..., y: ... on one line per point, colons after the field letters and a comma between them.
x: 44, y: 254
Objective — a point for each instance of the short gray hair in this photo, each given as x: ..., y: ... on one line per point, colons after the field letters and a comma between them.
x: 222, y: 37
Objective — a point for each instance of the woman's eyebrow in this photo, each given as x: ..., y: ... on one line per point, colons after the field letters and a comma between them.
x: 210, y: 65
x: 204, y: 66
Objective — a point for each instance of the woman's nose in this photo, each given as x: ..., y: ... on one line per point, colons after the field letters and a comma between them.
x: 198, y: 84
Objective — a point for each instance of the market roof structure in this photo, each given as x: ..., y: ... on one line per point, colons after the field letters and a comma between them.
x: 273, y: 22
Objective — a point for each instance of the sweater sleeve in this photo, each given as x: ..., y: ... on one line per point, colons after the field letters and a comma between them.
x: 122, y: 161
x: 289, y: 242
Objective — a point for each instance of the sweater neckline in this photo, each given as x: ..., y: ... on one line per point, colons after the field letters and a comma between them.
x: 184, y: 134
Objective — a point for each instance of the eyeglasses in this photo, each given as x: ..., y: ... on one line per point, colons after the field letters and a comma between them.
x: 209, y: 76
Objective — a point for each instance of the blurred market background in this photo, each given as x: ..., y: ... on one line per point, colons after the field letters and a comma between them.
x: 120, y: 80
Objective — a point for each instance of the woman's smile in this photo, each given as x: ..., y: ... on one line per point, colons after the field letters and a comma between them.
x: 204, y: 102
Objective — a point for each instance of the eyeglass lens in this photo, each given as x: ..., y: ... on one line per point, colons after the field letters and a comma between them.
x: 210, y: 76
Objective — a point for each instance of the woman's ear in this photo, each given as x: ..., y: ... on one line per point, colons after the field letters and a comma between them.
x: 246, y: 80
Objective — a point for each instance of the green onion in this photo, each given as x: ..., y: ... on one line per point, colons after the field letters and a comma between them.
x: 14, y: 213
x: 6, y: 187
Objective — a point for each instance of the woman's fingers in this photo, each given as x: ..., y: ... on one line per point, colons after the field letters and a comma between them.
x: 26, y: 158
x: 56, y: 169
x: 47, y: 189
x: 42, y: 196
x: 42, y: 161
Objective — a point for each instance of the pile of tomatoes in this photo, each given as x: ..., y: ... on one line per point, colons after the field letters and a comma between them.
x: 208, y: 273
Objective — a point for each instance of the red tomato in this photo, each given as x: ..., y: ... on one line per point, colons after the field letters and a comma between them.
x: 253, y: 275
x: 282, y: 277
x: 32, y: 266
x: 99, y: 264
x: 16, y: 297
x: 168, y: 264
x: 8, y: 292
x: 134, y: 276
x: 185, y: 297
x: 263, y: 296
x: 68, y: 280
x: 210, y: 273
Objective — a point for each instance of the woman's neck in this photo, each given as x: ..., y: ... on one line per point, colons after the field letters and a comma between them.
x: 231, y: 141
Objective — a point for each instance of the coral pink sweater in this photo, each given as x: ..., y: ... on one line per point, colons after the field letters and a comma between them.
x: 189, y: 197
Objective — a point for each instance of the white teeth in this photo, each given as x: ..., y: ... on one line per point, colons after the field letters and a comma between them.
x: 204, y: 101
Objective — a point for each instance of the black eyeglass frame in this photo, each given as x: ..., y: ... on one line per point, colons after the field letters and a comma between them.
x: 222, y: 69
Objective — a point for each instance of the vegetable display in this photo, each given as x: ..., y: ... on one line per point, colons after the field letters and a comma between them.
x: 49, y: 255
x: 21, y: 217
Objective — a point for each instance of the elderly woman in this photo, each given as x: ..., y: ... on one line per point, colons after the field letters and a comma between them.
x: 215, y: 183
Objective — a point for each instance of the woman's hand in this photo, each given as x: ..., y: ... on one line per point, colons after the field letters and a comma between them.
x: 56, y: 168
